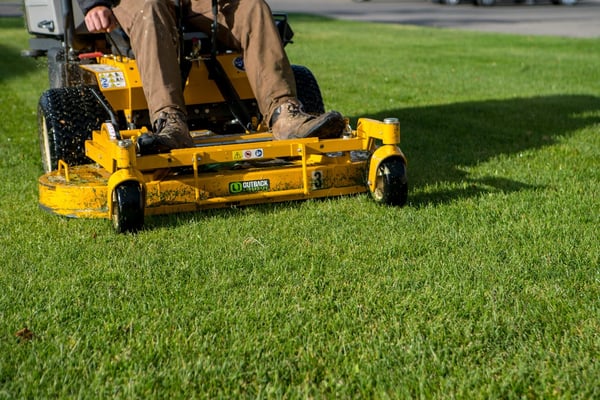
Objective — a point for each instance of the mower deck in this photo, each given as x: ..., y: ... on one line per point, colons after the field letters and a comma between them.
x: 219, y: 171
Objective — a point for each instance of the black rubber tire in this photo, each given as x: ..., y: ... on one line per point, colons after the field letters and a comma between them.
x: 128, y: 207
x: 66, y: 118
x: 308, y: 90
x: 391, y: 185
x: 66, y: 74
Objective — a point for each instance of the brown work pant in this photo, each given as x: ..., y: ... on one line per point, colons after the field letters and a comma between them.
x: 246, y: 25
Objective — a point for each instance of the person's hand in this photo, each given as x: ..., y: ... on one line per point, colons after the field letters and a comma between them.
x: 100, y: 19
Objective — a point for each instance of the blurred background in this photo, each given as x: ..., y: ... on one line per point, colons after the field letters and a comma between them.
x: 574, y: 18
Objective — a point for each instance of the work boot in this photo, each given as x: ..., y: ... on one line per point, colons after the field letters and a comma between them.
x: 289, y: 121
x: 170, y: 132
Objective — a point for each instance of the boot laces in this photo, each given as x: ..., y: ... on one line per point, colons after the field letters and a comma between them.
x: 164, y: 120
x: 294, y: 109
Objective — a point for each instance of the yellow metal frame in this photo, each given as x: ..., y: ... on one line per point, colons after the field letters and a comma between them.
x: 254, y: 169
x: 220, y: 170
x: 119, y: 79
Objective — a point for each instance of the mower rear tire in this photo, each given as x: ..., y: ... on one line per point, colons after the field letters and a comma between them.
x: 391, y: 184
x: 308, y: 91
x: 128, y: 207
x: 66, y: 118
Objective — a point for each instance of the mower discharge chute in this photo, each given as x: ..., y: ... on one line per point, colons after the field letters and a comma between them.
x: 95, y: 110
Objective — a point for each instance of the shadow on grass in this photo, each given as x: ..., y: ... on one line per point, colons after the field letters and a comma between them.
x: 12, y: 63
x: 440, y: 141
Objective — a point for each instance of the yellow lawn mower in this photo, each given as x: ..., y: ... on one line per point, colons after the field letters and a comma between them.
x: 95, y: 110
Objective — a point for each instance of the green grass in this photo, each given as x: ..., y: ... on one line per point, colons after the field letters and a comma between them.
x: 485, y: 286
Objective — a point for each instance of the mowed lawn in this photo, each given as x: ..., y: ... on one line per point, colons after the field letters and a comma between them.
x: 486, y: 285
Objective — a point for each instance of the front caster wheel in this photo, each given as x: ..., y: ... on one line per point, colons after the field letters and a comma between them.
x: 128, y: 207
x: 391, y: 184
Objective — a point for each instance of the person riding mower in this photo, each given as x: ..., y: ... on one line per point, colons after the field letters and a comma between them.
x: 244, y: 25
x: 102, y: 124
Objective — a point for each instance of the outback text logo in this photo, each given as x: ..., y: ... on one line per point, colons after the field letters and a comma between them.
x: 261, y: 185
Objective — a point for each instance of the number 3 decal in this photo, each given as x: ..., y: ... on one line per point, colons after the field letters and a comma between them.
x: 317, y: 180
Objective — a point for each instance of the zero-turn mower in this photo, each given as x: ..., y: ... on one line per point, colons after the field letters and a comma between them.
x: 95, y: 110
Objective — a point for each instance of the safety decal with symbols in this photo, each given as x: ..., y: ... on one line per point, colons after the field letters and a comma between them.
x: 249, y: 154
x: 109, y: 80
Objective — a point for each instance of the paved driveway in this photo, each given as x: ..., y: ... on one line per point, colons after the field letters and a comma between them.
x: 543, y: 18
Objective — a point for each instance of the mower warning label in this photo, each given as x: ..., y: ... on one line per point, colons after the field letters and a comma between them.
x: 248, y: 154
x: 108, y: 77
x: 260, y: 185
x: 110, y: 80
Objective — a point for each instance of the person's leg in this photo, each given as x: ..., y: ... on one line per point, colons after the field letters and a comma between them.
x: 153, y: 33
x: 248, y: 25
